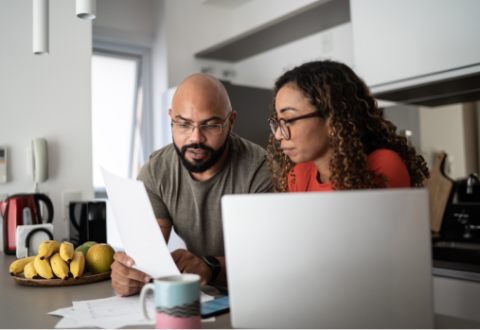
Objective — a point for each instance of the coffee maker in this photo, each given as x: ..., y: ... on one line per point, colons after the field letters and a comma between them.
x: 88, y: 222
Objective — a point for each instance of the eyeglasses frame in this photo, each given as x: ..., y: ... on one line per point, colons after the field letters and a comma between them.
x: 200, y: 126
x: 291, y: 120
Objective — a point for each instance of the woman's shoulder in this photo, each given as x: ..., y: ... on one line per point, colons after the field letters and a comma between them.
x: 390, y: 164
x: 384, y: 156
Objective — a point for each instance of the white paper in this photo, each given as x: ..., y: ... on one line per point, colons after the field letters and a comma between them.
x: 141, y: 236
x: 111, y: 313
x: 115, y: 312
x: 68, y: 323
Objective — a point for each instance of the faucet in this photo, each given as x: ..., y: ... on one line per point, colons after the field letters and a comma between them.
x: 470, y: 183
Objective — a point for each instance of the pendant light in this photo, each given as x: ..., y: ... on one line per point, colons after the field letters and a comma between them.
x: 40, y: 27
x: 86, y: 9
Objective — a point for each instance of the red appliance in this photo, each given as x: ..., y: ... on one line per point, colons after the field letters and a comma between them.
x: 22, y: 209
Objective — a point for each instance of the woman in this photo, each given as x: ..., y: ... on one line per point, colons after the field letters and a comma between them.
x: 328, y: 134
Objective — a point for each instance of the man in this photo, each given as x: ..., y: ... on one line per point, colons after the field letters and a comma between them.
x: 186, y: 179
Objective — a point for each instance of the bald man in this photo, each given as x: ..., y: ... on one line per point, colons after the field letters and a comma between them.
x: 186, y: 179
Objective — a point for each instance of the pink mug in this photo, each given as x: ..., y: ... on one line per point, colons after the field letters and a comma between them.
x: 177, y: 302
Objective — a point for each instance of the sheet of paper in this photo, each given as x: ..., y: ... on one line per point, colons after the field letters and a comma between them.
x: 68, y: 323
x: 138, y: 228
x: 117, y: 312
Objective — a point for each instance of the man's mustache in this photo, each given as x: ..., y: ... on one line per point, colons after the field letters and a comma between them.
x: 196, y: 146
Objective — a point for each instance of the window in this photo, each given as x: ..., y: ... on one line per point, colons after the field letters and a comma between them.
x: 120, y: 112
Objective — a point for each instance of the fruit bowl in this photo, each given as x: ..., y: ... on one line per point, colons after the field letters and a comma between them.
x: 84, y: 279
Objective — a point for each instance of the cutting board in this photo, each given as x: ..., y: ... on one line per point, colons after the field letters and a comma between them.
x: 439, y: 187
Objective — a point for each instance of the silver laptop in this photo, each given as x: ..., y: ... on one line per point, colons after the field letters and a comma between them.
x: 329, y: 260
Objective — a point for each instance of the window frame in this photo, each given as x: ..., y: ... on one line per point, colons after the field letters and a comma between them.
x: 142, y: 56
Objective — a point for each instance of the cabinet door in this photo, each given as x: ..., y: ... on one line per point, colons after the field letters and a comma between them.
x: 403, y: 39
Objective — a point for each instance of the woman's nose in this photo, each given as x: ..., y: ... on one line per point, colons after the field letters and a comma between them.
x: 278, y: 133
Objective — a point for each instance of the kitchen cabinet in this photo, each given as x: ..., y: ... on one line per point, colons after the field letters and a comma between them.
x: 403, y: 43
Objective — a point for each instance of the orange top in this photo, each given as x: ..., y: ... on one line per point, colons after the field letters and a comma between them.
x: 383, y: 161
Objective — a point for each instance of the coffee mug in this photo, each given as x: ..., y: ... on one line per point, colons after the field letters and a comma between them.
x: 177, y: 302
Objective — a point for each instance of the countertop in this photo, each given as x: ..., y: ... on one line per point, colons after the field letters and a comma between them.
x: 27, y: 307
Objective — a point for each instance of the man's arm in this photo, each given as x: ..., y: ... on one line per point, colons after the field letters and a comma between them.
x: 187, y: 262
x: 166, y: 228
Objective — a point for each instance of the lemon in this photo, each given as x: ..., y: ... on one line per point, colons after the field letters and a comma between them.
x: 90, y: 243
x: 99, y: 258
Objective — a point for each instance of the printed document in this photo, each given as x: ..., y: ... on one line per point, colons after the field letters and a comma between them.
x: 141, y: 236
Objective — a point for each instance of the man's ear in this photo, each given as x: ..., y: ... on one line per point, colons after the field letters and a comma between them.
x: 232, y: 118
x: 170, y: 112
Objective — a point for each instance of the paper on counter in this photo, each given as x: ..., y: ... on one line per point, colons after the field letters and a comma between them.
x: 141, y: 236
x: 110, y: 313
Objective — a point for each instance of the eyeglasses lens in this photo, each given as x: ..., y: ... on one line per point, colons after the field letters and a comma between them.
x: 283, y: 128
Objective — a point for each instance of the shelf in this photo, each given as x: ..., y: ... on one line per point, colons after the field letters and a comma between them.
x: 302, y: 23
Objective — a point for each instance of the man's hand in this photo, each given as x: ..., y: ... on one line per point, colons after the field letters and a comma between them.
x: 187, y: 262
x: 126, y: 280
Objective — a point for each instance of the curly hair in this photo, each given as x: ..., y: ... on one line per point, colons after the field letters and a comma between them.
x: 358, y: 127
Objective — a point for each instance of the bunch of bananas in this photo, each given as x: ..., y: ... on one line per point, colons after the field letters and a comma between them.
x: 53, y: 259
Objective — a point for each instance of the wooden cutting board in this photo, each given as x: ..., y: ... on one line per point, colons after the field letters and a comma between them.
x: 439, y: 187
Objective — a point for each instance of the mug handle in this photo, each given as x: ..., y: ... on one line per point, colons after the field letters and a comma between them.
x: 143, y: 295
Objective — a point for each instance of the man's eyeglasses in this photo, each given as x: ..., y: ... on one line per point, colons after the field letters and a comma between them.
x: 284, y: 124
x: 212, y: 129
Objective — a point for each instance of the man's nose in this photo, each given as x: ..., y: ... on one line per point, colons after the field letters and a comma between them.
x: 197, y: 136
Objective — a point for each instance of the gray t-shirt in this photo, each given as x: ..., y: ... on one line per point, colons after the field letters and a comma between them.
x: 194, y: 207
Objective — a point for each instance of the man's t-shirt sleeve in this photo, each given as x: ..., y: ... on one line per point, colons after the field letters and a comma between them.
x: 159, y: 208
x: 261, y: 182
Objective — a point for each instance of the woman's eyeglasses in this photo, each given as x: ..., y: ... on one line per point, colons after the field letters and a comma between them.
x: 285, y: 123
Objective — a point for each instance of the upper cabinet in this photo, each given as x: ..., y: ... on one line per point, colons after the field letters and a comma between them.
x: 398, y: 44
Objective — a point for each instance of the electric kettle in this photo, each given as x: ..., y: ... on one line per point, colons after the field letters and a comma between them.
x: 22, y: 209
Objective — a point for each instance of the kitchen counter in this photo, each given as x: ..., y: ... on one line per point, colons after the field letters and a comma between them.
x: 27, y: 307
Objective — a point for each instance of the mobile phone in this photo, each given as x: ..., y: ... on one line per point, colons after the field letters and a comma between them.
x: 215, y: 307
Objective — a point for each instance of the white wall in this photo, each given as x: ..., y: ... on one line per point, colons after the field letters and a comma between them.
x: 49, y: 97
x: 191, y: 27
x: 125, y: 21
x: 444, y: 129
x: 399, y: 39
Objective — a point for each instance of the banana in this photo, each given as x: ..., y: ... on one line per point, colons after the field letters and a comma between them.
x: 42, y: 266
x: 47, y: 248
x: 77, y: 265
x: 18, y: 265
x: 30, y: 271
x: 66, y: 251
x: 59, y: 267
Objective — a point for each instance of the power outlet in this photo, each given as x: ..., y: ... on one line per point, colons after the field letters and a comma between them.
x: 67, y: 197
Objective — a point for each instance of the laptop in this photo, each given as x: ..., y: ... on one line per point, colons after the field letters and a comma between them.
x: 350, y: 259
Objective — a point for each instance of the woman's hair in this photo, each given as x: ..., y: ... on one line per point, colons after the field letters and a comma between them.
x: 357, y: 124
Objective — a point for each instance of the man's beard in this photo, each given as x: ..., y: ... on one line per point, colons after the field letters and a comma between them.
x: 199, y: 166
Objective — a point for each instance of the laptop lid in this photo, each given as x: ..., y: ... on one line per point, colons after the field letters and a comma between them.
x: 350, y: 259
